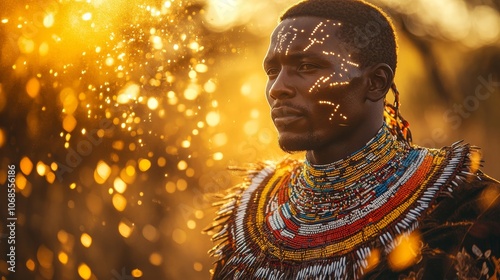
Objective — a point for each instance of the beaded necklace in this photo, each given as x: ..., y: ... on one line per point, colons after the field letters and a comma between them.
x: 295, y: 220
x: 324, y: 191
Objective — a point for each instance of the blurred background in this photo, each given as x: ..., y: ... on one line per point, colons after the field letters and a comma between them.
x: 122, y: 116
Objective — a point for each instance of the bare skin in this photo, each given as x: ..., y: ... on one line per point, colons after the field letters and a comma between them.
x: 321, y: 100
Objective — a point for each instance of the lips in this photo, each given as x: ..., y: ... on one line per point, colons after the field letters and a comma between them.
x: 285, y: 115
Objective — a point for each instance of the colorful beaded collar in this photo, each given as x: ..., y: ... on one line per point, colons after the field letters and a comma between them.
x: 328, y: 218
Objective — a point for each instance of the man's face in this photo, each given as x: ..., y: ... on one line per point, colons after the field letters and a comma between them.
x: 314, y: 88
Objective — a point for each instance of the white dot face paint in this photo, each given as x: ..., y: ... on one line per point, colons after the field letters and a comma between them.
x: 314, y: 84
x: 311, y: 46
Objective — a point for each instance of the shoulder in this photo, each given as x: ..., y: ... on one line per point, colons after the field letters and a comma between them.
x: 258, y: 175
x: 232, y: 204
x: 463, y: 226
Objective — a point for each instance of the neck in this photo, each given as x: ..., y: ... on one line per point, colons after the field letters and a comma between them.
x: 348, y: 183
x: 379, y: 150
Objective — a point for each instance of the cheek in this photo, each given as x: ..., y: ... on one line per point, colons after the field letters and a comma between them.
x: 333, y: 110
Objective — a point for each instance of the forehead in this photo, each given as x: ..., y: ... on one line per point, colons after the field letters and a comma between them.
x: 307, y: 34
x: 307, y: 24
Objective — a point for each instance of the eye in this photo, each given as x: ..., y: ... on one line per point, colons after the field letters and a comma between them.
x: 272, y: 72
x: 307, y: 67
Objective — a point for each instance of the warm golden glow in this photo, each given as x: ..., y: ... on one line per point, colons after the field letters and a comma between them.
x: 179, y: 236
x: 150, y: 233
x: 372, y: 260
x: 41, y: 168
x: 191, y: 224
x: 119, y: 185
x: 33, y: 87
x: 475, y: 158
x: 213, y: 118
x: 48, y: 20
x: 103, y: 171
x: 87, y: 16
x: 84, y: 271
x: 144, y: 164
x: 129, y: 93
x: 63, y: 236
x: 156, y: 259
x: 26, y: 165
x: 30, y: 265
x: 125, y: 229
x: 2, y: 138
x: 123, y: 112
x: 182, y: 165
x: 197, y: 266
x: 21, y: 181
x: 218, y: 156
x: 137, y: 273
x: 119, y: 202
x: 69, y: 123
x: 406, y: 253
x: 44, y: 256
x: 489, y: 196
x: 62, y: 257
x: 86, y: 240
x: 170, y: 187
x: 153, y: 103
x: 191, y: 92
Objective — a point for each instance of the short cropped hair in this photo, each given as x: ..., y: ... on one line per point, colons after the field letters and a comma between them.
x: 365, y: 28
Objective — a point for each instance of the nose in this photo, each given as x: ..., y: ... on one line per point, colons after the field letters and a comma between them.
x: 280, y: 87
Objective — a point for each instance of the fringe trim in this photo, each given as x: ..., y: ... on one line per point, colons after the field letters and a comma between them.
x: 222, y: 229
x: 461, y: 163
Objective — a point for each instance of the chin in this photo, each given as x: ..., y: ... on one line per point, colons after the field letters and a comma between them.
x: 297, y: 143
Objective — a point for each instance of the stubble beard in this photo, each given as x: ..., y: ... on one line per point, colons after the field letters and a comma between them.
x: 304, y: 142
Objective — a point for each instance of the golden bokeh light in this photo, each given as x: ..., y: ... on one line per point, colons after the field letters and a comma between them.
x: 125, y: 228
x: 489, y: 196
x: 119, y: 185
x: 103, y: 171
x: 213, y: 118
x: 41, y: 168
x: 119, y: 202
x: 21, y: 181
x: 48, y: 20
x: 86, y: 240
x: 144, y: 164
x: 69, y: 123
x: 192, y: 92
x: 87, y: 16
x: 406, y: 252
x: 63, y: 257
x: 129, y: 93
x: 150, y: 233
x: 153, y: 103
x: 84, y: 271
x: 198, y: 266
x: 30, y: 264
x: 179, y: 236
x: 63, y: 236
x: 155, y: 259
x: 44, y: 256
x: 137, y: 273
x: 33, y: 87
x: 26, y: 165
x: 2, y: 138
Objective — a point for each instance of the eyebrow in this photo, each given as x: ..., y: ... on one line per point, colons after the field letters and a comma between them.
x: 296, y: 55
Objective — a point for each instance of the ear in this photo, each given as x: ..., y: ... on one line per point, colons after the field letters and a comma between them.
x: 380, y: 78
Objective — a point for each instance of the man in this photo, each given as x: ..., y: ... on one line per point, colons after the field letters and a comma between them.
x: 365, y: 202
